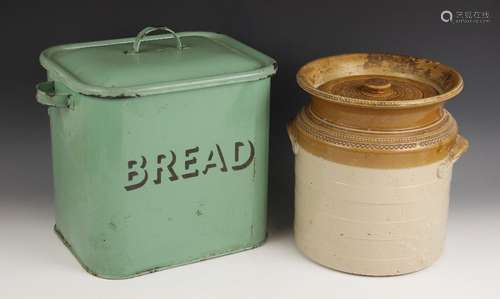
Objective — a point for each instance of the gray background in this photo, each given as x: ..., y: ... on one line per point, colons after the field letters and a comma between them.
x: 292, y: 32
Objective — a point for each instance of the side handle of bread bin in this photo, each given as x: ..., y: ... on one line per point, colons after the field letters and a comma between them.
x: 293, y: 139
x: 46, y: 95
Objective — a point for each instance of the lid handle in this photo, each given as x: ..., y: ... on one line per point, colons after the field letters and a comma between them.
x: 147, y: 30
x: 377, y: 85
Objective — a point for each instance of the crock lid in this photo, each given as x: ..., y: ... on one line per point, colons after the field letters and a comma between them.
x: 379, y: 80
x: 147, y: 65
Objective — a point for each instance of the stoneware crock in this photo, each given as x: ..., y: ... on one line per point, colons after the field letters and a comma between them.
x: 374, y: 150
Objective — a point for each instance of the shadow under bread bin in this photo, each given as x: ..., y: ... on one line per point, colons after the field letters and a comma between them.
x: 374, y: 151
x: 159, y: 147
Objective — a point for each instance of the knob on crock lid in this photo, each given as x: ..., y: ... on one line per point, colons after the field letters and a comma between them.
x: 380, y: 80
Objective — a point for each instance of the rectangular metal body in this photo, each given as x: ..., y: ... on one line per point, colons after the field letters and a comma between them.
x: 153, y: 181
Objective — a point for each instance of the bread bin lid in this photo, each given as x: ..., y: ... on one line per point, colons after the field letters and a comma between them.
x: 146, y: 65
x: 380, y: 80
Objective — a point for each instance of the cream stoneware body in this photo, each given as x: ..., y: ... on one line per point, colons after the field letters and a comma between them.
x: 370, y: 221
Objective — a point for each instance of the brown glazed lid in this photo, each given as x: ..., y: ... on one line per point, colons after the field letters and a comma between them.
x: 380, y: 80
x: 378, y: 110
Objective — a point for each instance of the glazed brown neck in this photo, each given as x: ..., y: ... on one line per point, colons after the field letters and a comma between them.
x: 376, y: 119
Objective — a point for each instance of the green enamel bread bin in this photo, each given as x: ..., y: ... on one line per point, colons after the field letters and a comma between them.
x: 159, y: 148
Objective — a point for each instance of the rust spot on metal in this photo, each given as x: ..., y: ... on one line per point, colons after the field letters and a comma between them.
x: 112, y: 226
x: 118, y: 97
